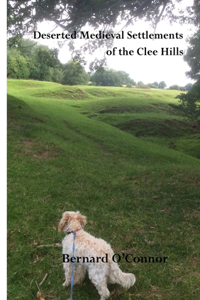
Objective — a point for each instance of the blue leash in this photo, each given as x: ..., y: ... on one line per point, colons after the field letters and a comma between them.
x: 72, y: 274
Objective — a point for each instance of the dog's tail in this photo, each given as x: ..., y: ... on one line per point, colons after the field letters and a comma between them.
x: 117, y: 276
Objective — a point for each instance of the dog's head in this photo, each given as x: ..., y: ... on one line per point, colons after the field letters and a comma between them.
x: 71, y: 221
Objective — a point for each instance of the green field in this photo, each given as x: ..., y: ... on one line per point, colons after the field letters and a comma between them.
x: 125, y: 158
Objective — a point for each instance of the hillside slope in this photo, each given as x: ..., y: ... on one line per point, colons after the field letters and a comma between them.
x: 143, y: 198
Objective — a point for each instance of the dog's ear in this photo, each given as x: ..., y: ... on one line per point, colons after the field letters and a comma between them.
x: 82, y: 220
x: 63, y: 221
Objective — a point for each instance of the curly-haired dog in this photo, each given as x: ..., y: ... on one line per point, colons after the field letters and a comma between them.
x: 88, y: 249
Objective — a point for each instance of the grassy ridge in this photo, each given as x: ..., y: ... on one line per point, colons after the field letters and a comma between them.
x: 142, y: 197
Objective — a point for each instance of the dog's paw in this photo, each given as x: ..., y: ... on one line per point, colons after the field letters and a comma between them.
x: 66, y: 283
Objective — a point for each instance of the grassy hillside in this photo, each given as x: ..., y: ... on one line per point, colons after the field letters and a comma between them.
x: 117, y: 156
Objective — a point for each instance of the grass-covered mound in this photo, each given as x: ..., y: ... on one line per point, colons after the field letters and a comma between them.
x: 141, y: 196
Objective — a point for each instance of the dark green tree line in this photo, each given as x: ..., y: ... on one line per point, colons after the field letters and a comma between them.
x: 109, y: 77
x: 27, y: 60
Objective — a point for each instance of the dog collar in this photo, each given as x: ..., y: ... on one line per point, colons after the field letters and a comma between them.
x: 73, y: 231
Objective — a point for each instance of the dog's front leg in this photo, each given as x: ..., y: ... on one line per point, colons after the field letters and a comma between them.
x: 68, y: 270
x: 79, y: 274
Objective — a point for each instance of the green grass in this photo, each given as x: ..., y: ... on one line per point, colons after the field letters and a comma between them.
x: 139, y: 192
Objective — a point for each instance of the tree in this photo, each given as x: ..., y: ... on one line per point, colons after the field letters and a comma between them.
x: 125, y: 78
x: 26, y: 59
x: 151, y: 85
x: 182, y: 88
x: 72, y: 15
x: 192, y: 56
x: 141, y: 85
x: 17, y: 65
x: 174, y: 87
x: 23, y: 15
x: 188, y: 86
x: 24, y: 46
x: 57, y: 74
x: 110, y: 77
x: 155, y: 83
x: 162, y: 85
x: 43, y: 59
x: 190, y: 102
x: 74, y: 73
x: 107, y: 77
